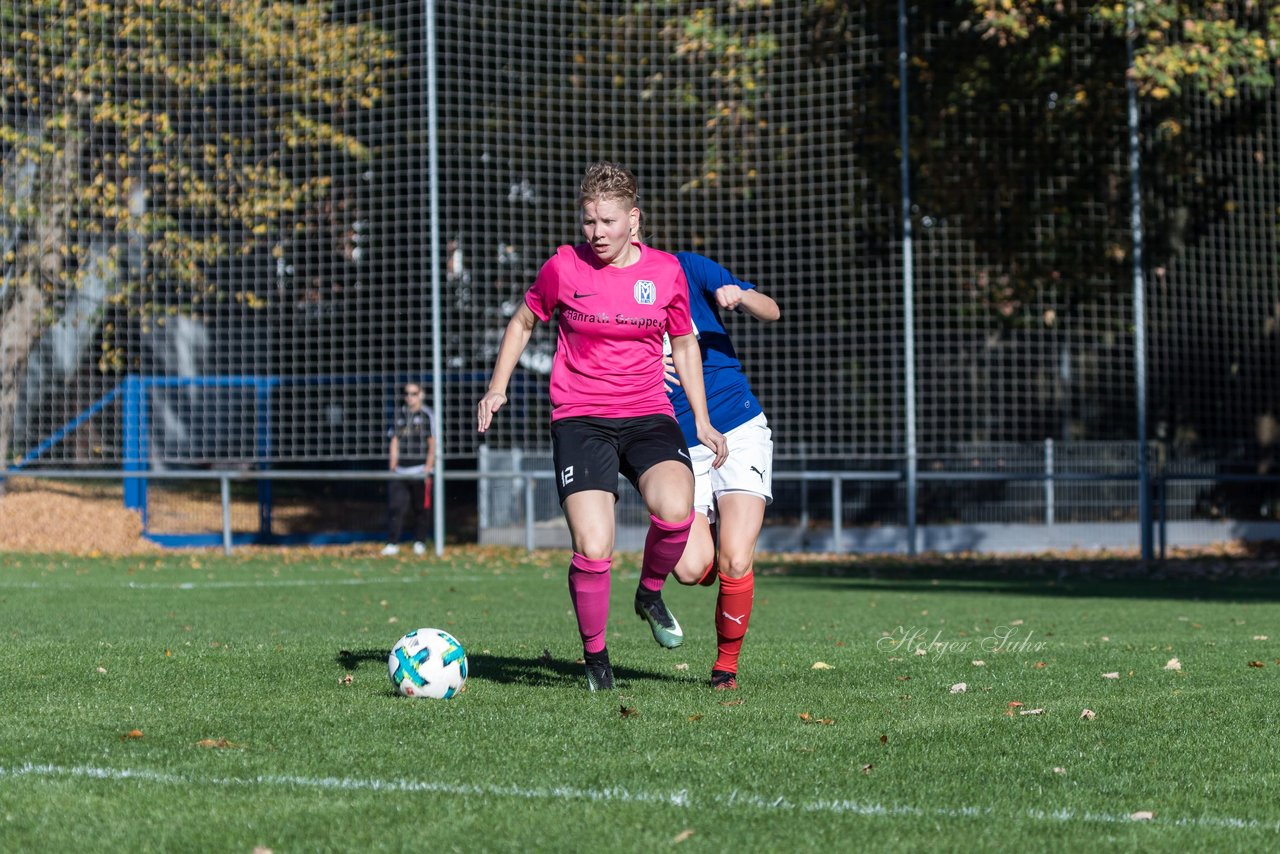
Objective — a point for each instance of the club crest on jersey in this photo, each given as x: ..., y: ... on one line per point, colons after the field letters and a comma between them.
x: 646, y: 292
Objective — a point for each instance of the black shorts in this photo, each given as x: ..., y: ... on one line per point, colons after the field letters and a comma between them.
x: 590, y: 453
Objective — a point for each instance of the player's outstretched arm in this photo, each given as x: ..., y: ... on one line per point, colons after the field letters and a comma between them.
x: 688, y: 361
x: 514, y: 340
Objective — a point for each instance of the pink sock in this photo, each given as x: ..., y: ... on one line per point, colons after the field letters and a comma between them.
x: 733, y: 613
x: 589, y: 590
x: 662, y: 549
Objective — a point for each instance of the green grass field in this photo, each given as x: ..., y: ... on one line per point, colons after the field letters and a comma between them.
x: 192, y: 702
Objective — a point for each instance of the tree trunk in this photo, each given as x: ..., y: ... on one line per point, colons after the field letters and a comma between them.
x: 39, y: 272
x: 19, y: 330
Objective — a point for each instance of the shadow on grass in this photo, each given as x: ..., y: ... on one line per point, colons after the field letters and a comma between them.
x: 542, y: 671
x: 1205, y: 578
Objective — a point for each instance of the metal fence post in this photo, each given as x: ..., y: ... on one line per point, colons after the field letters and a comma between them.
x: 224, y: 484
x: 1048, y: 481
x: 529, y: 542
x: 1139, y: 296
x: 908, y: 281
x: 837, y: 511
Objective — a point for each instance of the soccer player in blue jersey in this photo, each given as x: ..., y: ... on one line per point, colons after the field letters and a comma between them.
x: 729, y: 500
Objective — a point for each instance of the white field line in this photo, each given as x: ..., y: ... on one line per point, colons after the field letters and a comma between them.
x: 680, y: 799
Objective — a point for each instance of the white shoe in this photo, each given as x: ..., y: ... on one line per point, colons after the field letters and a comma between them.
x: 419, y: 548
x: 391, y: 549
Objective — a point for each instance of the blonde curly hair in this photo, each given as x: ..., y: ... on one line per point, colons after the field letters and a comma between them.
x: 605, y: 180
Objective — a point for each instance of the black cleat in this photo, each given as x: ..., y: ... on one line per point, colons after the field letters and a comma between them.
x: 723, y: 680
x: 599, y: 671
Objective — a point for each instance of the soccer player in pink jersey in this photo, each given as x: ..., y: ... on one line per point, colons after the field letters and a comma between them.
x: 616, y: 299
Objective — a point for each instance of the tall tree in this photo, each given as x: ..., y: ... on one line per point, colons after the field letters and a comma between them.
x: 166, y: 137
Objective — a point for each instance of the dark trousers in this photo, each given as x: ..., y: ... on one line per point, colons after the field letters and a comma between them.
x: 405, y: 498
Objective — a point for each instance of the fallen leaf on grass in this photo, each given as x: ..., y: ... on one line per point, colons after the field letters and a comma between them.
x: 884, y: 739
x: 133, y: 733
x: 219, y: 743
x: 695, y: 718
x: 102, y: 670
x: 821, y: 665
x: 1059, y: 770
x: 1088, y: 715
x: 979, y: 663
x: 810, y: 719
x: 959, y: 688
x: 732, y: 702
x: 866, y: 769
x: 346, y: 680
x: 1173, y: 664
x: 1261, y: 637
x: 682, y: 666
x: 1031, y: 712
x: 1115, y: 674
x: 904, y: 678
x: 1256, y: 664
x: 1014, y: 704
x: 922, y: 651
x: 681, y: 837
x: 1040, y: 665
x: 628, y: 711
x: 1142, y: 815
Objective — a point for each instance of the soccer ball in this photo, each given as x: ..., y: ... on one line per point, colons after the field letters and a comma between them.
x: 428, y: 663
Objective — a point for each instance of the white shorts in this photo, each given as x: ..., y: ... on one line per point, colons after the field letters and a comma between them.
x: 749, y: 467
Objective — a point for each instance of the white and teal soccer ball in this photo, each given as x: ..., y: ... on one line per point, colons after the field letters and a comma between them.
x: 428, y: 663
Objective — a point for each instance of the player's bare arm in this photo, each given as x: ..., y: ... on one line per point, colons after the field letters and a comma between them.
x: 514, y: 340
x: 754, y: 303
x: 688, y: 363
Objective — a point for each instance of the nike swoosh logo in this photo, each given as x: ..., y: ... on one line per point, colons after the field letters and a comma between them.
x: 577, y: 295
x: 683, y: 453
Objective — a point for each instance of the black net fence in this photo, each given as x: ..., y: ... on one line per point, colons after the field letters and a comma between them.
x: 218, y: 249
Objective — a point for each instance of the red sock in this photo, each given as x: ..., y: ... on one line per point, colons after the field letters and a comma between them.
x: 589, y: 590
x: 733, y: 613
x: 662, y: 549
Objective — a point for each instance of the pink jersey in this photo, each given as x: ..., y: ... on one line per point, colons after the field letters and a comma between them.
x: 608, y: 361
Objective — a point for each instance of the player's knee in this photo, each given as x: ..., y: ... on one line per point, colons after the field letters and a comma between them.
x: 668, y: 494
x: 736, y: 566
x: 674, y: 520
x: 588, y: 564
x: 691, y: 573
x: 595, y: 554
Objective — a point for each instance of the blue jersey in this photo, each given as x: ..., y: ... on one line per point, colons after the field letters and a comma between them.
x: 729, y: 398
